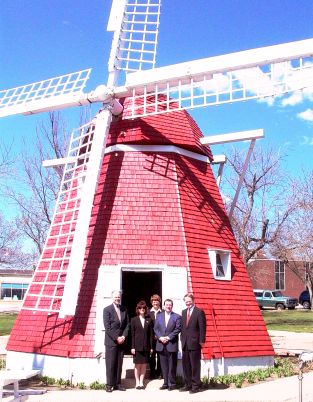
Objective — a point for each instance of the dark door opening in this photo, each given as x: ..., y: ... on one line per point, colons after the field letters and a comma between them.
x: 139, y: 286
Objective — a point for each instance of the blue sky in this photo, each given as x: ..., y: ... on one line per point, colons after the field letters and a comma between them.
x: 41, y: 39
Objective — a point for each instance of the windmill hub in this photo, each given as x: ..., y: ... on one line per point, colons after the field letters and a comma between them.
x: 105, y: 95
x: 101, y: 94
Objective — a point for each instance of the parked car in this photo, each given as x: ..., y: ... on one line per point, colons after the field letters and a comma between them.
x: 304, y: 299
x: 274, y: 299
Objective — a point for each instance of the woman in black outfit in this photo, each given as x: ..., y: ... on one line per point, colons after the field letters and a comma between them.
x: 142, y: 335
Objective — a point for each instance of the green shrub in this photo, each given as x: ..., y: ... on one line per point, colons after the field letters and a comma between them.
x: 2, y: 363
x: 97, y: 385
x: 61, y: 382
x: 281, y: 368
x: 47, y: 380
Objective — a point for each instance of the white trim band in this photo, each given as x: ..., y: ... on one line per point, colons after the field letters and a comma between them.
x: 156, y: 148
x: 142, y: 148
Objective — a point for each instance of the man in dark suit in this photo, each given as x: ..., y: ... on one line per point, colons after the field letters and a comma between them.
x: 192, y: 340
x: 154, y: 360
x: 166, y: 328
x: 116, y: 324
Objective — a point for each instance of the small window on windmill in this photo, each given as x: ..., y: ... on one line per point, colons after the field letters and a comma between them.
x: 221, y: 264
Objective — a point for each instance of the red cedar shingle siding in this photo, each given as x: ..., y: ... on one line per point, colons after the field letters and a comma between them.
x: 148, y: 208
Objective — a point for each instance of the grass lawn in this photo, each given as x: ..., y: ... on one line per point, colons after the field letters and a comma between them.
x: 286, y: 320
x: 289, y: 320
x: 6, y: 323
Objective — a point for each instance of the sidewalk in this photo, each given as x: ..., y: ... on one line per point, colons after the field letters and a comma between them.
x: 282, y: 390
x: 292, y: 343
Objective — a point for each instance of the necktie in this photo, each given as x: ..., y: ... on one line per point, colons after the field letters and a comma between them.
x: 188, y: 316
x: 118, y: 312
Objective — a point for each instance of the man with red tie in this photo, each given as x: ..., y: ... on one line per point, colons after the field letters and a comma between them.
x: 192, y: 339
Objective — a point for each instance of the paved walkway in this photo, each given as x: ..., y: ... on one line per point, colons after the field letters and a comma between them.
x: 292, y: 343
x: 281, y: 390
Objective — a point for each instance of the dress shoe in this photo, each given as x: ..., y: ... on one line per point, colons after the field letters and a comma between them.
x: 138, y: 387
x: 164, y: 387
x: 120, y: 388
x: 184, y: 389
x: 172, y: 387
x: 194, y: 390
x: 109, y: 388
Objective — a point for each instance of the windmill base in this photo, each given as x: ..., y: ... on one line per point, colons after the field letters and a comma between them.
x: 89, y: 370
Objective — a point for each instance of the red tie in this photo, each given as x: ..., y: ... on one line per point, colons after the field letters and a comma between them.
x: 188, y: 316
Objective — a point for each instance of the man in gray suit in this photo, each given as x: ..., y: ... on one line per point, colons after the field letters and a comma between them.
x: 192, y: 339
x: 116, y: 324
x: 167, y: 328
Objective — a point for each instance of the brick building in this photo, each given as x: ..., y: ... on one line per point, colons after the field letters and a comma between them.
x: 266, y: 273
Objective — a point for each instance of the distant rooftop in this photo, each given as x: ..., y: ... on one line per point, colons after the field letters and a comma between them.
x: 15, y: 272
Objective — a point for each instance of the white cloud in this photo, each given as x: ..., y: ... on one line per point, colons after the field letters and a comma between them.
x: 298, y: 97
x: 294, y: 99
x: 306, y: 140
x: 307, y: 115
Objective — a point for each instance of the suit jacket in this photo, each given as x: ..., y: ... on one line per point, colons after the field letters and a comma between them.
x: 141, y: 336
x: 113, y: 326
x: 172, y: 330
x: 194, y: 333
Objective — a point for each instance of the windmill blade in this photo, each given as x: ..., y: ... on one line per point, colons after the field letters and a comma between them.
x: 252, y: 74
x: 136, y: 24
x: 54, y: 93
x: 56, y: 281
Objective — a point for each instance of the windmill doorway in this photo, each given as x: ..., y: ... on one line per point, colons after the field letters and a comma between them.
x: 137, y: 286
x: 140, y: 285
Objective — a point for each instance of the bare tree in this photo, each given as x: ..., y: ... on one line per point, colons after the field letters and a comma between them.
x: 295, y: 245
x: 11, y: 254
x: 262, y: 210
x: 37, y: 186
x: 6, y: 161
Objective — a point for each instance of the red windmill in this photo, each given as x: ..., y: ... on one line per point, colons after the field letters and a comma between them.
x: 139, y: 207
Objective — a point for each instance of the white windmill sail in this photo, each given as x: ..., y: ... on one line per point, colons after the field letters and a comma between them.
x: 253, y: 74
x: 53, y: 93
x: 137, y: 35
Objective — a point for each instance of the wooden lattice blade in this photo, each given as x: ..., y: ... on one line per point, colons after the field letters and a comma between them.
x: 252, y: 74
x: 51, y: 94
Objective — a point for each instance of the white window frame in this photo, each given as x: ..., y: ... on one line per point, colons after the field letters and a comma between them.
x: 280, y: 275
x: 225, y: 256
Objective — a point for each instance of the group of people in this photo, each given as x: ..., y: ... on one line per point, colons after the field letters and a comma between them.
x: 154, y: 340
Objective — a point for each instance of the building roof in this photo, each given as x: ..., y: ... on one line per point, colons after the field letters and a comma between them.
x: 15, y: 272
